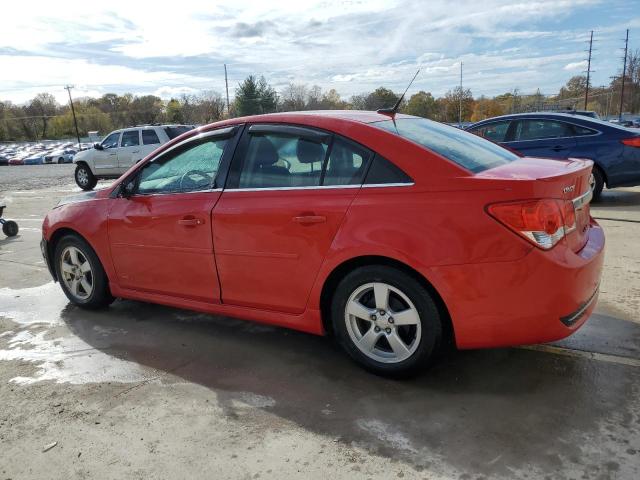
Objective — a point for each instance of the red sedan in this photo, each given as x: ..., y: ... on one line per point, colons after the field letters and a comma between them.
x: 394, y: 233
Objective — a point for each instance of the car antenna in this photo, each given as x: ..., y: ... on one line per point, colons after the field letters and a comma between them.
x: 392, y: 111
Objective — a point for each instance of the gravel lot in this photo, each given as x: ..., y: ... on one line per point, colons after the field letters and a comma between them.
x: 144, y: 391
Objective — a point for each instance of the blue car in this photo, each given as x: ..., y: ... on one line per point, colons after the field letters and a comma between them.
x: 615, y: 150
x: 36, y: 159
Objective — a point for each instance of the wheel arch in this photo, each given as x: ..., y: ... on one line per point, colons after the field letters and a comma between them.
x: 341, y: 270
x: 56, y: 236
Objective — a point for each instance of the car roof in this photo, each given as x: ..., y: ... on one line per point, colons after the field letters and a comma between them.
x: 360, y: 116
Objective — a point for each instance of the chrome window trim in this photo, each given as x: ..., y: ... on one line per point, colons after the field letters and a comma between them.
x: 208, y: 190
x: 598, y: 132
x: 320, y: 187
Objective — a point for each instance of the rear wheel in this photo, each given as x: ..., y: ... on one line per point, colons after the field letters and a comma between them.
x: 10, y: 228
x: 60, y: 160
x: 84, y: 177
x: 80, y: 273
x: 386, y: 320
x: 596, y: 182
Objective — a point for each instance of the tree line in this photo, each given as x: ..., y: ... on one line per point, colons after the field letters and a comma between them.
x: 42, y: 117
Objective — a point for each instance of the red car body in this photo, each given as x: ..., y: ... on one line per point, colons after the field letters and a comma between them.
x: 270, y: 256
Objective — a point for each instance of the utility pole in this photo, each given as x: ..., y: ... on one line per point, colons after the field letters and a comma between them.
x: 586, y: 91
x: 624, y: 74
x: 226, y: 82
x: 460, y: 104
x: 73, y: 111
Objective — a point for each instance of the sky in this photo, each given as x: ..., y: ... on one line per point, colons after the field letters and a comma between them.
x: 354, y: 46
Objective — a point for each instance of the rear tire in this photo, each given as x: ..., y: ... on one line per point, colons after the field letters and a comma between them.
x: 84, y: 177
x: 60, y: 160
x: 80, y: 273
x: 10, y: 228
x: 597, y: 183
x: 386, y: 320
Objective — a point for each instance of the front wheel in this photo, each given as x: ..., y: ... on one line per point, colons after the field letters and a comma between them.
x: 80, y: 273
x: 386, y: 320
x: 84, y: 177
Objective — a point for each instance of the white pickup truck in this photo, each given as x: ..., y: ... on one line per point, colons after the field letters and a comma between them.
x: 119, y: 150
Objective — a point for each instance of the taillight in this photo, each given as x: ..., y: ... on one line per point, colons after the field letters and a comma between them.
x: 543, y: 222
x: 632, y: 142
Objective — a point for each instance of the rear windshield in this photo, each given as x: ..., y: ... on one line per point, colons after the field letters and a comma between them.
x: 173, y: 132
x: 466, y: 149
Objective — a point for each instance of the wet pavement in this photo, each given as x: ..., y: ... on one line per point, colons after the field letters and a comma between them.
x: 145, y: 391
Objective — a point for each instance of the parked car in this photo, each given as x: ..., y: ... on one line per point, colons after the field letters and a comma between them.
x: 394, y: 233
x: 615, y: 150
x: 119, y: 150
x: 60, y: 156
x: 4, y: 160
x: 33, y: 159
x: 584, y: 113
x: 17, y: 160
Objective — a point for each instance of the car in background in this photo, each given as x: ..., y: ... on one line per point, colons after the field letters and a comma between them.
x: 4, y: 160
x: 615, y: 150
x: 119, y: 150
x: 16, y: 160
x: 394, y: 233
x: 60, y: 156
x: 584, y: 113
x: 33, y: 159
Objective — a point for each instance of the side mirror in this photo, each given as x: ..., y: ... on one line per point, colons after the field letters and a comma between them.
x: 97, y: 146
x: 128, y: 189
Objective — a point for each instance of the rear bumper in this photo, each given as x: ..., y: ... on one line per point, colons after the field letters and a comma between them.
x: 542, y: 297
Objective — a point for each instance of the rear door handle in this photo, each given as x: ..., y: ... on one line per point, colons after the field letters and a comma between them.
x: 309, y: 219
x: 190, y: 222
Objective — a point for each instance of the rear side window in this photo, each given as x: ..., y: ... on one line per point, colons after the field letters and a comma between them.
x: 173, y: 132
x: 130, y: 138
x: 150, y: 137
x: 463, y: 148
x: 541, y: 129
x: 579, y: 131
x: 347, y: 163
x: 496, y: 132
x: 382, y: 171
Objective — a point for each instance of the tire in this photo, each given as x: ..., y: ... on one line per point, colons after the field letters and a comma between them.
x: 10, y: 228
x: 60, y: 160
x: 84, y: 177
x: 597, y: 183
x: 406, y: 299
x: 82, y: 278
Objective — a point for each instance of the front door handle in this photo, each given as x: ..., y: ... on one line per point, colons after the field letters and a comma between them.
x: 135, y: 151
x: 190, y: 222
x: 309, y: 219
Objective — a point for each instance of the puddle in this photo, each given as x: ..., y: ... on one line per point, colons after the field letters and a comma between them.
x: 41, y: 337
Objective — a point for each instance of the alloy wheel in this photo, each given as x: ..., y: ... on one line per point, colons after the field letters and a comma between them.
x: 83, y: 176
x: 76, y: 272
x: 383, y: 323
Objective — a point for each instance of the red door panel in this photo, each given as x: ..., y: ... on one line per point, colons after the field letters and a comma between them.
x: 163, y: 244
x: 269, y: 244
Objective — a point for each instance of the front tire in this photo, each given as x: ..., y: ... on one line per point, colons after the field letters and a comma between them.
x: 386, y: 320
x: 60, y: 160
x: 596, y: 182
x: 80, y: 273
x: 84, y: 177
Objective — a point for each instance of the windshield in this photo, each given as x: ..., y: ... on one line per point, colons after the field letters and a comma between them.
x: 466, y: 149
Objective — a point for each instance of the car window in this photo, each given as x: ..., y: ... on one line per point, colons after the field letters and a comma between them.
x: 281, y: 160
x: 541, y: 129
x: 579, y: 131
x: 149, y: 137
x: 188, y: 170
x: 111, y: 141
x: 130, y: 138
x: 382, y: 171
x: 463, y: 148
x: 496, y: 131
x: 173, y: 132
x: 347, y: 163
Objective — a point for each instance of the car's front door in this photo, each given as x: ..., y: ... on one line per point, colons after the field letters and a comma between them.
x: 542, y: 138
x: 280, y: 211
x: 105, y: 159
x: 129, y: 152
x: 160, y: 236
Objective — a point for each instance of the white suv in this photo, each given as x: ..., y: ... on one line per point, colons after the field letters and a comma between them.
x: 119, y: 150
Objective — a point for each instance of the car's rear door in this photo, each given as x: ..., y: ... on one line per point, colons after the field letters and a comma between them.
x: 542, y: 137
x: 160, y: 237
x: 280, y: 211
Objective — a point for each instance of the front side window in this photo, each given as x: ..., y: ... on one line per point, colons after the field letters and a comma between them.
x: 130, y: 138
x: 111, y: 141
x: 276, y: 160
x: 150, y: 137
x: 463, y: 148
x: 496, y: 131
x: 541, y: 129
x: 192, y: 168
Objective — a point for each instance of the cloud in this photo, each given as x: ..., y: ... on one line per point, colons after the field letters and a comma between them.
x: 582, y: 65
